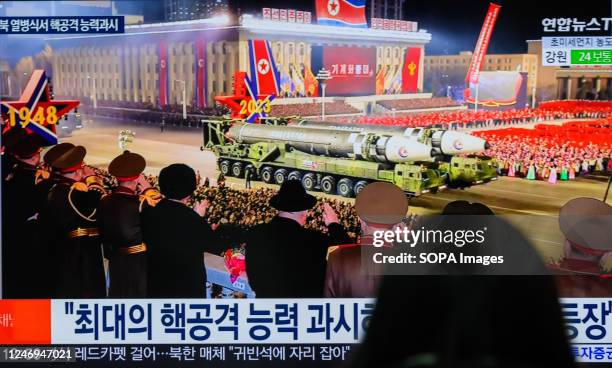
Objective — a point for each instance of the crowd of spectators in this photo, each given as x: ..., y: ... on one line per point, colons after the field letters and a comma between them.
x: 313, y: 109
x: 418, y: 103
x: 552, y: 153
x: 232, y: 210
x: 467, y: 119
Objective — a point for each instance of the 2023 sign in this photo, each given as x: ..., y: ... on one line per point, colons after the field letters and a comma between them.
x: 254, y: 106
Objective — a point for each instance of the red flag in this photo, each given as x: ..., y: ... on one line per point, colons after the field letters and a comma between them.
x: 410, y: 73
x: 263, y: 68
x: 163, y: 73
x: 200, y: 55
x: 380, y: 80
x: 344, y: 13
x: 311, y: 85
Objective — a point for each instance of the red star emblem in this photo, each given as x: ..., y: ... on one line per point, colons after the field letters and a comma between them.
x: 333, y: 7
x: 263, y: 66
x: 37, y: 98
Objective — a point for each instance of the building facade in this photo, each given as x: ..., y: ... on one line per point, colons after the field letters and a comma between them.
x: 578, y: 82
x: 126, y: 67
x: 179, y: 10
x: 5, y: 79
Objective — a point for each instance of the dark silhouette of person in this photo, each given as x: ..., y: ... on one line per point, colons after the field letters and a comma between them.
x: 465, y: 320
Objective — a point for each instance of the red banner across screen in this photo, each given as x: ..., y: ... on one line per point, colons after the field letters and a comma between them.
x: 483, y: 43
x: 353, y: 70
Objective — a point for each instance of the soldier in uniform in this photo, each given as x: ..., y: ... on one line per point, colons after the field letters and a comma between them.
x: 38, y: 282
x: 20, y: 207
x: 72, y: 205
x: 248, y: 173
x: 119, y: 217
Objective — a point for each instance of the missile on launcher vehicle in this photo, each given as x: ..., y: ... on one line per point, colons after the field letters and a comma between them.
x: 335, y: 162
x: 365, y: 146
x: 444, y: 142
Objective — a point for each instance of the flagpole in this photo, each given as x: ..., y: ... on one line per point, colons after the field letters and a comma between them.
x: 323, y: 76
x: 323, y: 102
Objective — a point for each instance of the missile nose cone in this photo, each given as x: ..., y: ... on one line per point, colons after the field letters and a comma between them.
x: 402, y: 149
x: 454, y: 143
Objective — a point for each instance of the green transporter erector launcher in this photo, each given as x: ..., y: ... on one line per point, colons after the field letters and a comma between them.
x: 335, y: 161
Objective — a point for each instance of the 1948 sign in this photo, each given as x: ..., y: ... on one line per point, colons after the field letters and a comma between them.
x: 41, y: 116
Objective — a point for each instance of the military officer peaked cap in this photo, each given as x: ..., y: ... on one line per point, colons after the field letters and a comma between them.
x: 127, y: 166
x: 28, y: 145
x: 71, y: 160
x: 381, y: 203
x: 56, y: 151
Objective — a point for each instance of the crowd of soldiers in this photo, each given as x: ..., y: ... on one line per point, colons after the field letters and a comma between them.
x: 74, y: 231
x: 171, y: 115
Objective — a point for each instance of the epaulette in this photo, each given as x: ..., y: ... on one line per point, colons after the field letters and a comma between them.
x: 95, y: 183
x: 151, y: 195
x: 41, y: 175
x: 80, y: 186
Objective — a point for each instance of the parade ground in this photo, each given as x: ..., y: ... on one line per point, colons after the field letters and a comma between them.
x: 533, y: 206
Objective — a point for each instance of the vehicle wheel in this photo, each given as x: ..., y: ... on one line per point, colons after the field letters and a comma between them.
x: 345, y: 187
x: 359, y: 186
x: 433, y: 190
x: 309, y: 182
x: 237, y: 170
x: 328, y: 185
x: 280, y: 176
x: 294, y: 175
x: 224, y: 167
x: 267, y: 175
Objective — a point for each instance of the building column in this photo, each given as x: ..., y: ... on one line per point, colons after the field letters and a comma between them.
x: 569, y: 89
x: 597, y: 84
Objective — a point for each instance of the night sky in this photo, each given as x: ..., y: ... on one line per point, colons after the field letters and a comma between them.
x: 455, y: 24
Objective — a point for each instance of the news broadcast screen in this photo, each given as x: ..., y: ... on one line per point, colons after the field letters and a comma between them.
x: 313, y: 183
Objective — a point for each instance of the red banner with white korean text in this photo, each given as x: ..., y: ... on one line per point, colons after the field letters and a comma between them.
x: 482, y: 44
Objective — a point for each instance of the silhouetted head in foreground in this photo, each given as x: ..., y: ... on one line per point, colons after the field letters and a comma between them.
x: 466, y: 320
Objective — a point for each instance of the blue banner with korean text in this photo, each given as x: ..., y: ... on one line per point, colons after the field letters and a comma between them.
x: 62, y: 25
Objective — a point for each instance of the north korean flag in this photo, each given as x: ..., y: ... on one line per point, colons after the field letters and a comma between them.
x: 344, y: 13
x: 263, y: 68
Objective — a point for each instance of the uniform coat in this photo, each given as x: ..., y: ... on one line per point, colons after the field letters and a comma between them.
x: 284, y: 260
x: 80, y: 265
x: 176, y: 238
x: 346, y: 276
x: 23, y: 254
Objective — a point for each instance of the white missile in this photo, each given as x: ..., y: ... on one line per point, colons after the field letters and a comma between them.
x: 447, y: 142
x: 451, y: 142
